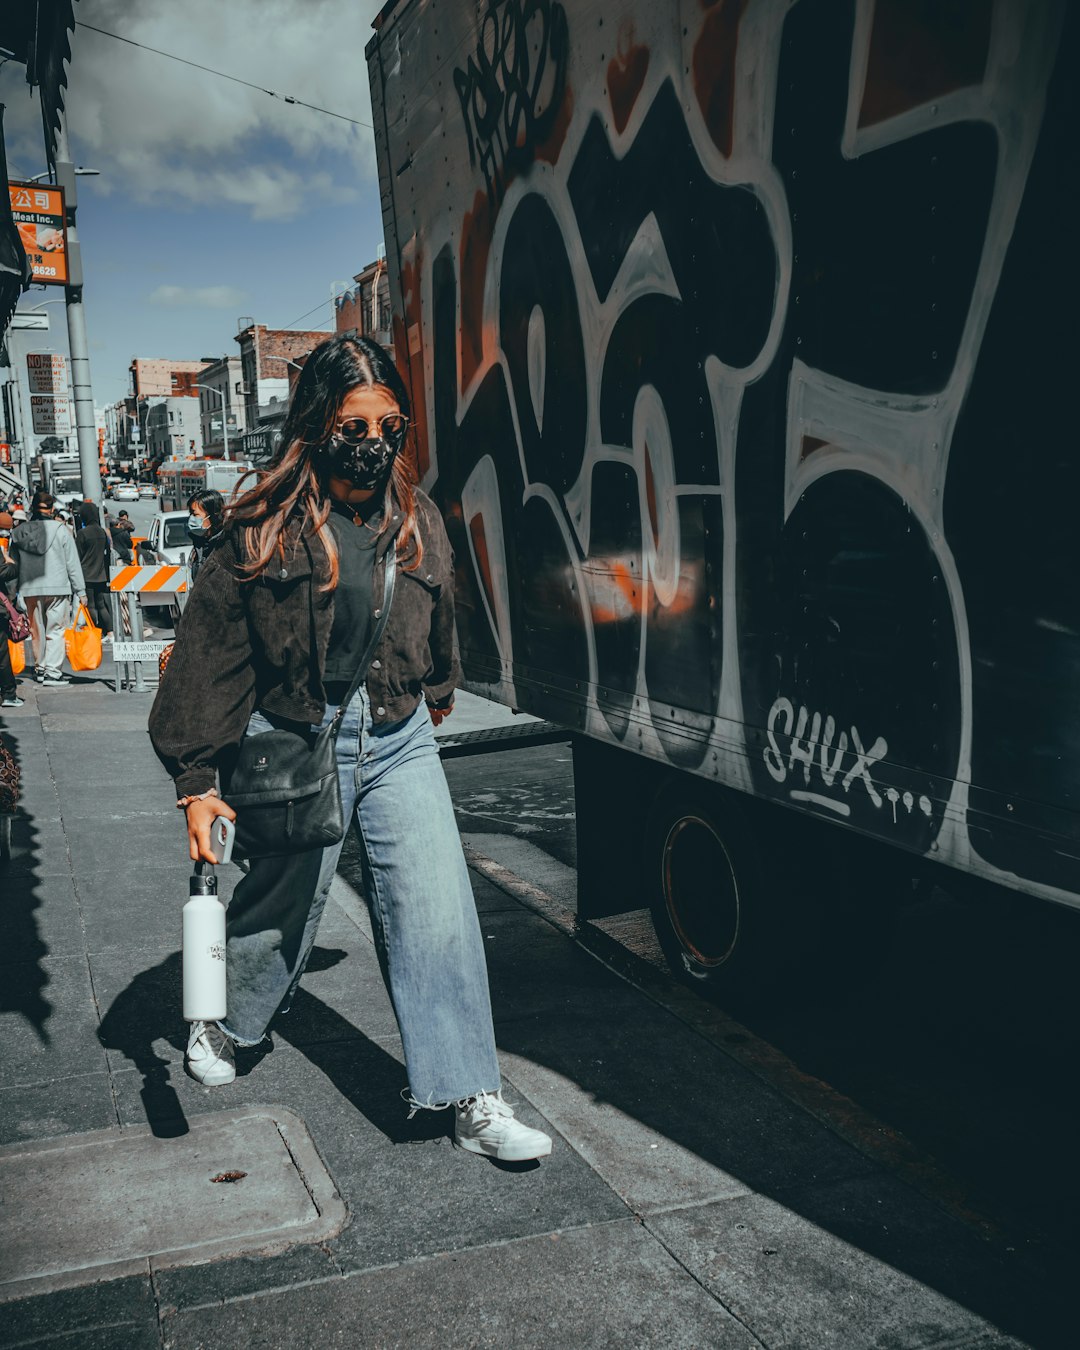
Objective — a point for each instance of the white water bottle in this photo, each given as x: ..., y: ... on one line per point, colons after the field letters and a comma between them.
x: 204, y: 949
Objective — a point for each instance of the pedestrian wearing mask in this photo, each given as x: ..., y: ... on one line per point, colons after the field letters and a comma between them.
x: 277, y: 634
x: 92, y: 546
x: 206, y: 523
x: 49, y: 574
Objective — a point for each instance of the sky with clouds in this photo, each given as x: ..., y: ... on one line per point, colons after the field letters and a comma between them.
x: 212, y: 199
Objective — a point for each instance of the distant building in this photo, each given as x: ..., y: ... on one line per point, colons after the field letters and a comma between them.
x: 365, y: 307
x: 172, y: 429
x: 158, y: 376
x: 270, y: 360
x: 221, y: 388
x: 161, y: 412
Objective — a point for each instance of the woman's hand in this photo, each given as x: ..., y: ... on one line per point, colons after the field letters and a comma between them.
x: 437, y: 714
x: 201, y: 815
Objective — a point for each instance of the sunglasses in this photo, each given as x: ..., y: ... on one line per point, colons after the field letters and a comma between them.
x: 356, y: 430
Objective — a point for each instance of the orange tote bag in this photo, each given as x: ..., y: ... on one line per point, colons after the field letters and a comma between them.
x: 83, y: 642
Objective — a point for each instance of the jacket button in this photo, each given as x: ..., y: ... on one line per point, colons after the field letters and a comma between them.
x: 380, y: 712
x: 285, y: 572
x: 378, y: 613
x: 376, y: 665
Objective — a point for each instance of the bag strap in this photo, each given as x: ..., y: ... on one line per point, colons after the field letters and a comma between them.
x: 369, y: 650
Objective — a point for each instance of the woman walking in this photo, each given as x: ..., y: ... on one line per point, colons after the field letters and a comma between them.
x: 49, y: 574
x: 273, y: 635
x: 205, y: 526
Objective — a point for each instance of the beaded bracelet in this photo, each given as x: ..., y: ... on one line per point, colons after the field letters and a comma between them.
x: 182, y: 803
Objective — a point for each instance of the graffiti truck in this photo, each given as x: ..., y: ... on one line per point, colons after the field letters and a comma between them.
x: 740, y: 337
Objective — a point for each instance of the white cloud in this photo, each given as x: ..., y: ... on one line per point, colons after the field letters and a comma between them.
x: 198, y: 297
x: 158, y: 130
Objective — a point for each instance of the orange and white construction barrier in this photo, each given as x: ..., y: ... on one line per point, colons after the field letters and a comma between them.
x: 158, y: 577
x: 127, y: 583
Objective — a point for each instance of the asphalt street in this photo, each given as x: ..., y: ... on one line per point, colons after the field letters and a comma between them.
x: 701, y: 1191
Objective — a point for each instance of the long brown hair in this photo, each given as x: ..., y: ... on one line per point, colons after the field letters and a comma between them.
x: 296, y: 486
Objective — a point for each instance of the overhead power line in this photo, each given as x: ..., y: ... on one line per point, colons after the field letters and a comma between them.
x: 224, y: 75
x: 302, y: 317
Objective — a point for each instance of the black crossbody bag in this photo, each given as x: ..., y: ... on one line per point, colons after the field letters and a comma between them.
x: 284, y: 786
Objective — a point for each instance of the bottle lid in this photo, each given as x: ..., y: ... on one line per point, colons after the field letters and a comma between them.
x: 203, y: 880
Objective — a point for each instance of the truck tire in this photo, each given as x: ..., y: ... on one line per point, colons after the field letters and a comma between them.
x: 717, y: 903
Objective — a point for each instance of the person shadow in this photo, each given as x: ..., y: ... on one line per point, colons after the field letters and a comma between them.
x: 145, y: 1013
x: 23, y: 890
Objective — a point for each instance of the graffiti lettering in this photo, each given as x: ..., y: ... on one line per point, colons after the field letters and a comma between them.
x: 813, y: 750
x: 711, y: 317
x: 509, y: 99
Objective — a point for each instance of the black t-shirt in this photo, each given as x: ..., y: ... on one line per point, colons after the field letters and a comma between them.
x: 353, y: 605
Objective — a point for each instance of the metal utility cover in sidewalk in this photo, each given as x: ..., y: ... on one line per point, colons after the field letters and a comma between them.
x: 96, y: 1206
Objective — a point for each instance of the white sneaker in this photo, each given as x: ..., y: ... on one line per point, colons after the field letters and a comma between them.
x: 485, y: 1124
x: 210, y: 1058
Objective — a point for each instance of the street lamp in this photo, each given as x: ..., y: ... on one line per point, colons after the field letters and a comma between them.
x: 224, y: 414
x: 80, y: 172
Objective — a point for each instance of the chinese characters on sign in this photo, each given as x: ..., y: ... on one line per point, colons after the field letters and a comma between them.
x: 38, y: 212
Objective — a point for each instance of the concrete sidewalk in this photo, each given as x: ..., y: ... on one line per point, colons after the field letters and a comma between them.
x: 686, y: 1202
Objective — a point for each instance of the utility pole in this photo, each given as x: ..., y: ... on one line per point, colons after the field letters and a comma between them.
x: 82, y: 395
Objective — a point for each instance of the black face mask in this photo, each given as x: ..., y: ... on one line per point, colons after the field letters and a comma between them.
x: 366, y: 465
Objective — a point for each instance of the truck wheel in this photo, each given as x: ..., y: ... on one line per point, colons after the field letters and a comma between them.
x: 716, y: 913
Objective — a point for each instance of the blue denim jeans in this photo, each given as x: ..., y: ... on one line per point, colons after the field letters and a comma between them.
x: 422, y: 911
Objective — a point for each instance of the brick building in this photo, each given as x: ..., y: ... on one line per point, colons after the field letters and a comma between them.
x: 163, y: 378
x: 270, y: 359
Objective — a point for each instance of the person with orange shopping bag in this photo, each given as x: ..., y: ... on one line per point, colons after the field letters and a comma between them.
x: 49, y: 574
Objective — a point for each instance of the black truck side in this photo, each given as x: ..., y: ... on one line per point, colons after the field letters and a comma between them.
x: 741, y: 343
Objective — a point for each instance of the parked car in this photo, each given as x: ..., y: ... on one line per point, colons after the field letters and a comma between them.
x: 167, y: 540
x: 125, y: 492
x: 147, y: 491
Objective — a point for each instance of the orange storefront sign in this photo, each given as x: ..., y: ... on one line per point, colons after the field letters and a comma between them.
x: 38, y: 212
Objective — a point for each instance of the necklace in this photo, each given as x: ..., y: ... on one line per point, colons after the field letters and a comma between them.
x: 357, y: 513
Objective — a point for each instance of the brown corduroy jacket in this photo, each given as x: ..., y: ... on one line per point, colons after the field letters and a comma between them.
x: 246, y: 644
